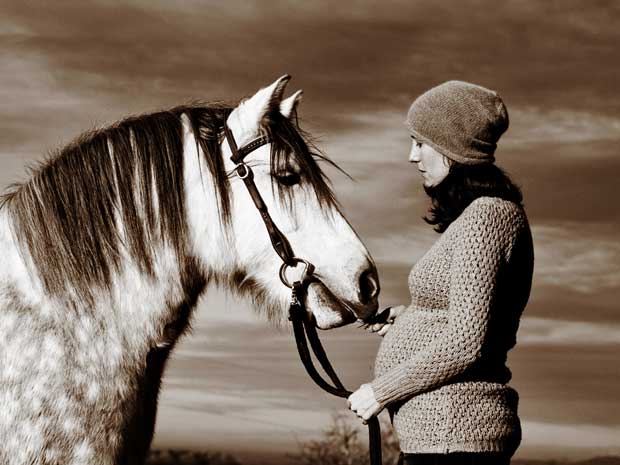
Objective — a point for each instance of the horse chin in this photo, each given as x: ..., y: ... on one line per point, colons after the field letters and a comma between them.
x: 327, y: 311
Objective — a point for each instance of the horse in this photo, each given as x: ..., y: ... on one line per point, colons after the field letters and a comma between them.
x: 108, y: 245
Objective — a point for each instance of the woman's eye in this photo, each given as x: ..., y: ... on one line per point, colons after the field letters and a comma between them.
x: 288, y: 179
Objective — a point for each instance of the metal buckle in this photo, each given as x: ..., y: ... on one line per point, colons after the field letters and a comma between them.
x: 308, y: 270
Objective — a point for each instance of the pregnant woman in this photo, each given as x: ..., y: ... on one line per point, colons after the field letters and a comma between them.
x: 441, y: 368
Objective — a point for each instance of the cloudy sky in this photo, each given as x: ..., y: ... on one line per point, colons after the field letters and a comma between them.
x: 68, y: 66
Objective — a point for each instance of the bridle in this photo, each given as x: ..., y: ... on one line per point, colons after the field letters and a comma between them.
x: 303, y: 328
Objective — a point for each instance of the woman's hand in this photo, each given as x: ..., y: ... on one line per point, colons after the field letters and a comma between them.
x: 383, y: 326
x: 363, y: 403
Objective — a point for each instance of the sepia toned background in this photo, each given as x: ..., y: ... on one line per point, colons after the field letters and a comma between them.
x: 235, y: 383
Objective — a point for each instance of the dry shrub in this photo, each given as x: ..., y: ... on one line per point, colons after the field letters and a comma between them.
x: 341, y: 444
x: 185, y: 457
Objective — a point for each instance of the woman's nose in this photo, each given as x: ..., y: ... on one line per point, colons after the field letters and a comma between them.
x: 413, y: 155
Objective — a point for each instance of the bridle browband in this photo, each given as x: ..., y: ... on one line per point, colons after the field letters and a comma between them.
x: 303, y: 328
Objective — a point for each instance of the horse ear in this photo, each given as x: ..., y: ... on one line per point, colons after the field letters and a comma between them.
x: 268, y: 98
x: 289, y: 106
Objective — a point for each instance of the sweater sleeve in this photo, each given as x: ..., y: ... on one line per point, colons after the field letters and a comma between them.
x: 482, y: 241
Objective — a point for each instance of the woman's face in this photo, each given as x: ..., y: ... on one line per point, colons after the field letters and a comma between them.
x: 432, y: 164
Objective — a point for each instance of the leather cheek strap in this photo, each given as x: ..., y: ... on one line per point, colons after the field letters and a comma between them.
x: 279, y: 241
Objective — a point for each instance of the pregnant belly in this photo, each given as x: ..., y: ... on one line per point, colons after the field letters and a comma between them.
x: 412, y: 331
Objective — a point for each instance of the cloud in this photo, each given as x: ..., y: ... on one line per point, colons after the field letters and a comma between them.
x: 257, y: 428
x: 566, y: 438
x: 365, y: 57
x: 584, y: 257
x: 187, y: 393
x: 566, y: 383
x: 571, y: 182
x: 404, y: 247
x: 534, y: 125
x: 553, y: 332
x: 370, y: 138
x: 29, y: 95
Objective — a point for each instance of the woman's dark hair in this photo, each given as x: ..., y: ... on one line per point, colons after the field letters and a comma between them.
x: 464, y: 184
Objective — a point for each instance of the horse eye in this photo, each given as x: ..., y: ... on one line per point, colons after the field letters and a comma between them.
x: 288, y: 179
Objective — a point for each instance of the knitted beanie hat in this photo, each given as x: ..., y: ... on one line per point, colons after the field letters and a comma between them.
x: 460, y: 120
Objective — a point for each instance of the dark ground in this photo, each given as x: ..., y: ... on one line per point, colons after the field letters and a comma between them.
x: 179, y: 457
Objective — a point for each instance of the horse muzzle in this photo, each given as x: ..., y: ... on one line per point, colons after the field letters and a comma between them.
x: 328, y: 311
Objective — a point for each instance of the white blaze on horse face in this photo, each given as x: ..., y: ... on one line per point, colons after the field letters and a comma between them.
x: 348, y: 285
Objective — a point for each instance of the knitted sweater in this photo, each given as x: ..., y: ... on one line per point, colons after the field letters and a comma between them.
x: 441, y: 368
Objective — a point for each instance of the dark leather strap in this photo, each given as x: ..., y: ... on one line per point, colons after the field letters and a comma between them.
x: 253, y: 145
x: 305, y: 331
x: 278, y: 240
x: 238, y: 154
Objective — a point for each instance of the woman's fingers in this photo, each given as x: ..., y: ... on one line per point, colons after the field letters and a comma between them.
x: 396, y: 311
x: 384, y: 320
x: 383, y: 331
x: 377, y: 327
x: 367, y: 415
x: 356, y: 400
x: 363, y: 402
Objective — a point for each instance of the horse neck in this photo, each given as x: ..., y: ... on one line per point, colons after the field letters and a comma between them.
x: 210, y: 239
x: 138, y: 304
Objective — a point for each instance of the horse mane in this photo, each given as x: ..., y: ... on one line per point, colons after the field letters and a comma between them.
x: 64, y: 216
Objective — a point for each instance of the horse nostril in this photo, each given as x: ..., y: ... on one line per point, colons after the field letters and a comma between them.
x: 369, y: 285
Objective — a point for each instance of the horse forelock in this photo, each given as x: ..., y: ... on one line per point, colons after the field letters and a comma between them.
x: 291, y: 145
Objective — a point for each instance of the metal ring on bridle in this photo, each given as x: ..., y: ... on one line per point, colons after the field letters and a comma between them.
x: 246, y: 169
x: 308, y: 270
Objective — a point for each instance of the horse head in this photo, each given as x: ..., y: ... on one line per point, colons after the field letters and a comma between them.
x: 345, y: 286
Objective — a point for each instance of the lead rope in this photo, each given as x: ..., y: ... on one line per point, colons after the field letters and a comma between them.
x: 305, y: 331
x: 303, y: 328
